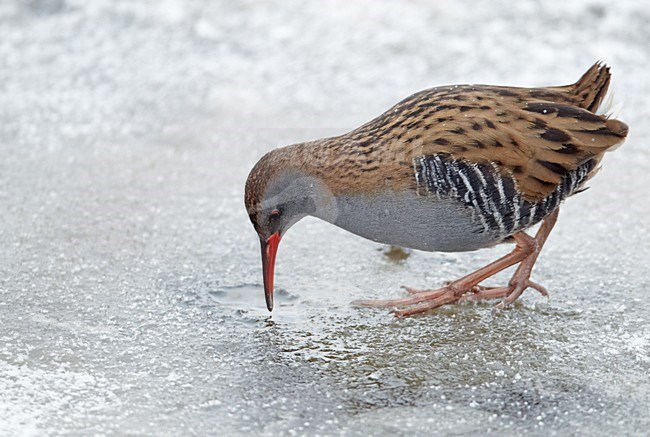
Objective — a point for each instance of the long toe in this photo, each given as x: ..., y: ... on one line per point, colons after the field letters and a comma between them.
x: 411, y: 290
x: 432, y: 293
x: 517, y: 288
x: 540, y: 288
x: 396, y: 303
x: 447, y: 298
x: 487, y: 293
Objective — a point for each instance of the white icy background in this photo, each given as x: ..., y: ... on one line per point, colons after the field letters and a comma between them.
x: 130, y: 297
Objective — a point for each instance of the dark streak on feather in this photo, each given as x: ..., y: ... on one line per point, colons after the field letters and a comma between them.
x: 554, y: 167
x: 602, y: 131
x: 556, y: 135
x: 543, y: 182
x: 567, y: 149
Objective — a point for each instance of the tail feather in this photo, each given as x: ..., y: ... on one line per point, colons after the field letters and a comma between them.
x: 590, y: 90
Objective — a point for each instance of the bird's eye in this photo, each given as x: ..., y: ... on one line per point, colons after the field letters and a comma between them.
x: 275, y: 214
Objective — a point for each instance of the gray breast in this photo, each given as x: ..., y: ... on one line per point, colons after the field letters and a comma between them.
x: 409, y: 220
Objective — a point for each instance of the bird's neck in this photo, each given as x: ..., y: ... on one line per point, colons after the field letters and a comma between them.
x: 347, y: 166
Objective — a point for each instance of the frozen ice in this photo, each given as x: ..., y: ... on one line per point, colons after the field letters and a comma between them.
x: 130, y: 278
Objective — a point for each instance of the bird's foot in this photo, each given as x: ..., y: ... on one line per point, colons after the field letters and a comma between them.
x: 484, y: 292
x: 422, y: 301
x: 422, y: 296
x: 413, y: 290
x: 425, y: 300
x: 508, y: 294
x: 478, y: 288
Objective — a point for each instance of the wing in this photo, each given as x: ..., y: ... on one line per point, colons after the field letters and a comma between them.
x: 536, y: 141
x: 535, y: 135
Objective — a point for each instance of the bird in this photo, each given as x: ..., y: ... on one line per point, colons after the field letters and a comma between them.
x: 449, y: 169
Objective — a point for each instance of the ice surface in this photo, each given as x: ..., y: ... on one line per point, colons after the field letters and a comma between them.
x: 130, y: 296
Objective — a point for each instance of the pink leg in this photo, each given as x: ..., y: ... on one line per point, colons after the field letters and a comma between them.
x: 524, y: 247
x: 521, y: 279
x: 468, y: 288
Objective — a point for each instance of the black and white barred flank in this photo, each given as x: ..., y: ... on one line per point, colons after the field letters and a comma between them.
x: 492, y: 196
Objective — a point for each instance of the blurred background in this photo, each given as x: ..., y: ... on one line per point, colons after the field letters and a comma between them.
x: 130, y: 278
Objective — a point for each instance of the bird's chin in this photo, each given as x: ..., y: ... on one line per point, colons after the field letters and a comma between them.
x: 269, y: 250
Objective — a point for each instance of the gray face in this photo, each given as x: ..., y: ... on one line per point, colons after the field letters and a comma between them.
x: 289, y: 197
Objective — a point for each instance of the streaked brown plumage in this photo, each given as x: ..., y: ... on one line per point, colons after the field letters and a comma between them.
x: 537, y: 140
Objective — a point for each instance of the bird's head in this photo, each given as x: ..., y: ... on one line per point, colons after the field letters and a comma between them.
x: 280, y: 192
